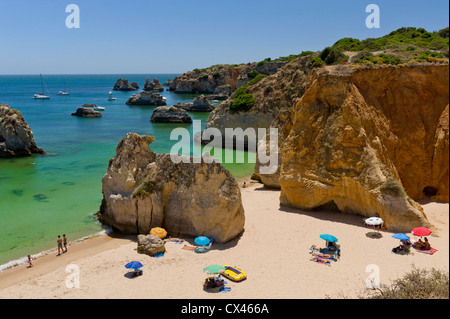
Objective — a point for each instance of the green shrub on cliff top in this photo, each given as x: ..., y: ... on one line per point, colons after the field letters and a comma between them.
x: 332, y: 56
x: 243, y: 100
x: 256, y: 79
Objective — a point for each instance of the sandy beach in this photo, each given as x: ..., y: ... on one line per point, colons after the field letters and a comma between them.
x: 273, y: 251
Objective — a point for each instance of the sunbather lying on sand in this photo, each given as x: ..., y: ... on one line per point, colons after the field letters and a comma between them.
x: 328, y: 256
x: 321, y: 260
x: 176, y: 240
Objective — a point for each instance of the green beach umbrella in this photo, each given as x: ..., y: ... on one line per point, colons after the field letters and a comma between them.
x: 214, y: 269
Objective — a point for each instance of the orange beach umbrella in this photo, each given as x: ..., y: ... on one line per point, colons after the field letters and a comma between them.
x: 159, y: 232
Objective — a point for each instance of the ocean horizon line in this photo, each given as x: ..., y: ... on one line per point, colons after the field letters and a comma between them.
x: 31, y: 74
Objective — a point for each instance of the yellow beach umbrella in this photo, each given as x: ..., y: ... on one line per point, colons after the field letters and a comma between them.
x: 159, y: 232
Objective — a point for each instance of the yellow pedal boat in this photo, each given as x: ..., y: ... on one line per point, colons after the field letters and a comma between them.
x: 233, y: 273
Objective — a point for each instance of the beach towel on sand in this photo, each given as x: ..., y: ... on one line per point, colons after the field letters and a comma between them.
x: 430, y: 251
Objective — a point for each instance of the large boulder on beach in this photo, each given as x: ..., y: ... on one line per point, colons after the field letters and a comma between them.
x: 86, y: 112
x: 142, y: 190
x: 170, y: 115
x: 150, y: 245
x: 124, y: 85
x: 16, y: 137
x: 147, y: 98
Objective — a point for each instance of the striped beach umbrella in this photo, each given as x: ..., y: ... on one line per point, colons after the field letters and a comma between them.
x: 159, y: 232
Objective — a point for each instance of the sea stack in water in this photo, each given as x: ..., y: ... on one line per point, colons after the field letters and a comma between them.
x: 87, y: 112
x: 147, y: 98
x: 154, y: 86
x: 16, y: 137
x: 142, y: 190
x: 170, y: 115
x: 200, y: 104
x: 124, y: 85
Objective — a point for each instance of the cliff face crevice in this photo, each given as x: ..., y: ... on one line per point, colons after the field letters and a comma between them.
x: 370, y: 141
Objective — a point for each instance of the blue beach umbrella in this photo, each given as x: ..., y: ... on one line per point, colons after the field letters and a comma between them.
x: 134, y: 265
x: 202, y: 240
x: 400, y: 236
x: 329, y: 238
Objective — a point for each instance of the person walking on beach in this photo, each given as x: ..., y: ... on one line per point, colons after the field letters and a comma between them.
x: 65, y: 243
x: 59, y: 241
x: 29, y: 262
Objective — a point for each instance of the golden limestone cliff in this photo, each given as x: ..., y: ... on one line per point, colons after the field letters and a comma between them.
x: 371, y: 141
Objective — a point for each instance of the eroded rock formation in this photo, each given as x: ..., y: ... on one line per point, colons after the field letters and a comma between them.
x: 147, y: 98
x: 124, y: 85
x: 86, y: 112
x: 170, y: 114
x: 142, y: 190
x: 370, y: 141
x: 16, y: 137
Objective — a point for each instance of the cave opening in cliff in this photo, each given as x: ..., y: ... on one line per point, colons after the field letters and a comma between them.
x: 430, y: 191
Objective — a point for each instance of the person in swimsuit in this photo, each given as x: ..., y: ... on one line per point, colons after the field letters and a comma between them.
x: 65, y: 243
x: 59, y: 241
x: 29, y: 261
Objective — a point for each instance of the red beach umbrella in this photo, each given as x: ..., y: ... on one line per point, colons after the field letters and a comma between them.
x: 421, y: 231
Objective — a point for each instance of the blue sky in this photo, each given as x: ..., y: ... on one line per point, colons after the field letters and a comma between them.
x: 148, y: 36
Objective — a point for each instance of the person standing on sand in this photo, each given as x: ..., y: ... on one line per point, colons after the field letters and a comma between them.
x: 59, y: 241
x: 65, y: 243
x: 29, y: 261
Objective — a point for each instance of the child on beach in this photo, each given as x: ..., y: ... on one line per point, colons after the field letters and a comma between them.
x: 29, y: 261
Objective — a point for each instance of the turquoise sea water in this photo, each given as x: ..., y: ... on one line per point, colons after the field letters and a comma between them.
x: 47, y: 195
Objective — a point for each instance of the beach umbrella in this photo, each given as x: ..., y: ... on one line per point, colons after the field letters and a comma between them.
x: 159, y: 232
x: 202, y: 240
x: 400, y: 236
x: 421, y: 231
x: 374, y: 221
x: 134, y: 265
x: 214, y: 269
x: 329, y: 238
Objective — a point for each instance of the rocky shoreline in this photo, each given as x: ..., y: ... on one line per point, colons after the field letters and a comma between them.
x: 16, y: 137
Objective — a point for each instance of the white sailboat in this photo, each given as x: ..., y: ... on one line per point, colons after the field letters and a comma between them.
x: 42, y: 96
x: 65, y: 91
x: 111, y: 98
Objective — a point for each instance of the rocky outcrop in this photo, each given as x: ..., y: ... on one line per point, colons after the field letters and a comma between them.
x: 170, y: 114
x: 154, y: 86
x: 207, y: 80
x: 16, y: 137
x: 142, y: 190
x: 167, y: 83
x: 150, y: 245
x: 124, y: 85
x: 370, y: 141
x: 271, y: 94
x: 200, y: 104
x: 86, y: 112
x: 147, y: 98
